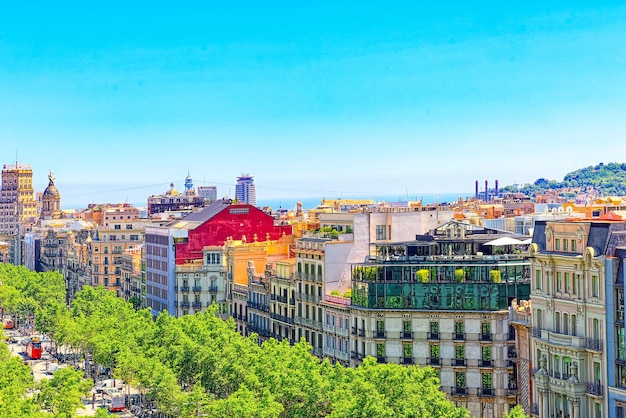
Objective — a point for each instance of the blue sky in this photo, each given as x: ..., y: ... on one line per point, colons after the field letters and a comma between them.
x: 312, y: 99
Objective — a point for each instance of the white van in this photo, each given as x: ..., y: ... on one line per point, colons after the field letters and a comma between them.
x: 109, y: 383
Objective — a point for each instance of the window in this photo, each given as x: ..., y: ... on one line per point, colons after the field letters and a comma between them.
x: 459, y: 327
x: 559, y: 282
x: 460, y: 379
x: 595, y: 286
x: 117, y: 227
x: 573, y: 245
x: 486, y: 352
x: 557, y: 244
x: 434, y: 351
x: 380, y: 350
x: 213, y: 258
x: 408, y: 350
x: 129, y: 226
x: 459, y: 352
x: 487, y: 380
x: 381, y: 232
x: 568, y: 288
x: 565, y: 242
x: 538, y: 279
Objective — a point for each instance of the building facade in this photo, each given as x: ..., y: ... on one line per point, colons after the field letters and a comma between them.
x: 569, y: 270
x: 245, y: 190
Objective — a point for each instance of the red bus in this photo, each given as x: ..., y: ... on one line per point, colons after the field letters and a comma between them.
x: 33, y: 348
x: 114, y: 399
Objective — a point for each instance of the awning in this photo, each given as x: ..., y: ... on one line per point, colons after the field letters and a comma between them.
x: 504, y: 241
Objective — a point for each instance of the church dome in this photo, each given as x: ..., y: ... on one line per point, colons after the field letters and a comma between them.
x: 51, y: 190
x: 172, y: 191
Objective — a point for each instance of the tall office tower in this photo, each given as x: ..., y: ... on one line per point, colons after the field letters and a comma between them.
x: 17, y: 199
x: 244, y: 190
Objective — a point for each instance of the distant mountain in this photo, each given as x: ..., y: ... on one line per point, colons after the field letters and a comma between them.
x: 603, y: 179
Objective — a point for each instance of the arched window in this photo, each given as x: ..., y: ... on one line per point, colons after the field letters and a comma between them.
x: 557, y: 322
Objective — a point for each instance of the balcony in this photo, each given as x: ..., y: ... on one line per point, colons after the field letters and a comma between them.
x: 593, y: 344
x: 281, y: 299
x: 594, y: 389
x: 213, y: 289
x: 433, y: 336
x: 485, y: 337
x: 485, y: 363
x: 380, y: 334
x: 357, y: 356
x: 381, y: 360
x: 184, y: 304
x: 272, y: 297
x: 535, y: 332
x: 434, y: 361
x: 559, y: 375
x: 488, y: 392
x: 197, y: 289
x: 292, y: 301
x: 197, y: 304
x: 354, y: 331
x: 458, y: 336
x: 362, y: 333
x: 534, y: 409
x: 407, y: 335
x: 459, y: 362
x: 184, y: 288
x: 459, y: 391
x: 407, y: 360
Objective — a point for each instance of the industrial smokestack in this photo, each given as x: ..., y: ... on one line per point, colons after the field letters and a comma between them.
x: 486, y: 191
x: 496, y: 188
x: 476, y: 193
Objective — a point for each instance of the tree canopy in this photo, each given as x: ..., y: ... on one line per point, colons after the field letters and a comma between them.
x: 199, y: 364
x: 607, y: 179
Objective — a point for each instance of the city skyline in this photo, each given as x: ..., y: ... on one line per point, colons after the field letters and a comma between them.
x: 314, y: 101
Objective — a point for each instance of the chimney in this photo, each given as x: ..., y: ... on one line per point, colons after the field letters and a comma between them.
x: 486, y: 191
x: 476, y: 193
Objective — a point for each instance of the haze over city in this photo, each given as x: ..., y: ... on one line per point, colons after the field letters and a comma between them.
x: 119, y: 100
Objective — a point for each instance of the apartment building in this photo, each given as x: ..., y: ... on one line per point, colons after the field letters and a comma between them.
x: 121, y: 230
x: 177, y: 251
x: 442, y: 300
x: 18, y: 207
x: 616, y: 346
x: 571, y: 261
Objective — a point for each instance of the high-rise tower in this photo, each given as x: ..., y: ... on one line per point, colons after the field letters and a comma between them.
x: 245, y: 190
x: 17, y: 199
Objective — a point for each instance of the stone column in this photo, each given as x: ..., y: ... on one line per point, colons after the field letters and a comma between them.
x: 543, y: 403
x: 576, y: 407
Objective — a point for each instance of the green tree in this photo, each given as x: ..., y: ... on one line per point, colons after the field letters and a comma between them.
x: 517, y: 412
x: 62, y: 394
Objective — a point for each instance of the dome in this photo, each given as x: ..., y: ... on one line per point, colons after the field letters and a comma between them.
x: 172, y: 191
x: 51, y: 190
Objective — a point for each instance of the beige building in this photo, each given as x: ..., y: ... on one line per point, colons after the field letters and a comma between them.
x: 133, y: 283
x: 201, y: 283
x: 18, y: 206
x: 121, y: 230
x: 568, y: 265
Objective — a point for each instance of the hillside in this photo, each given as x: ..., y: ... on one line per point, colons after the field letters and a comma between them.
x: 604, y: 179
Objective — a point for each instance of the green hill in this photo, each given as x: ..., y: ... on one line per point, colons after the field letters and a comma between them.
x: 605, y: 179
